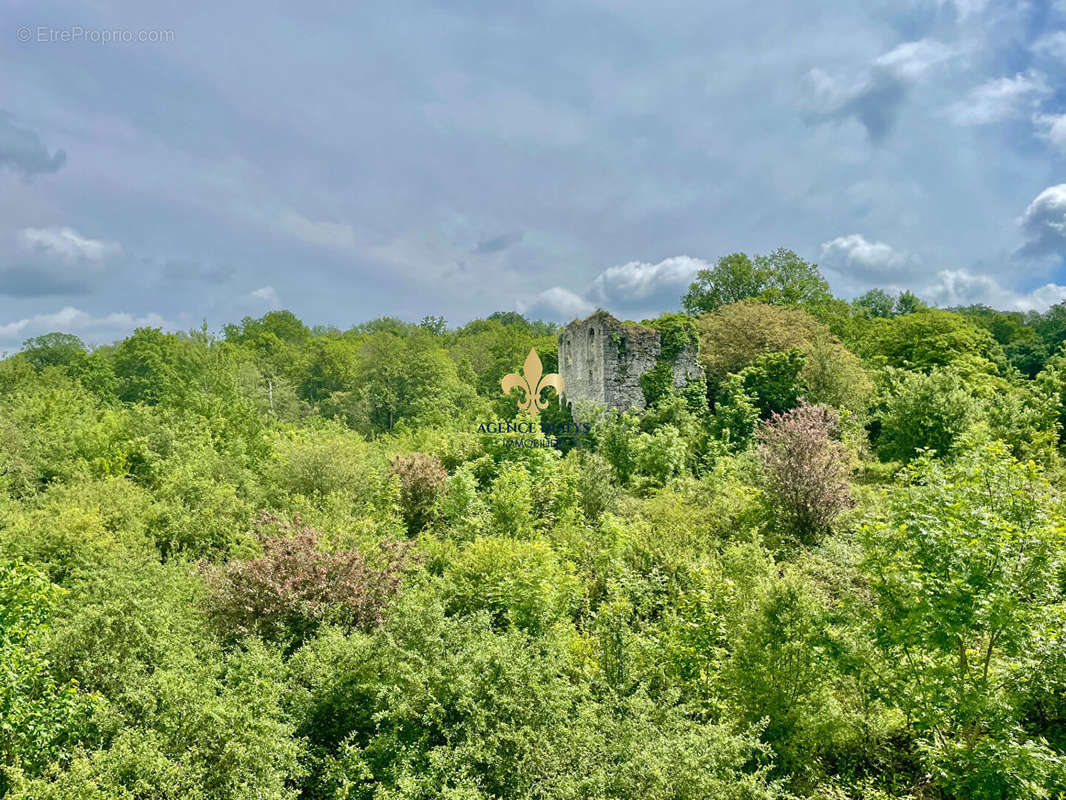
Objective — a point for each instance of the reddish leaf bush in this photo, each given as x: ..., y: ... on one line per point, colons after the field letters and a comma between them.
x: 294, y: 587
x: 423, y: 479
x: 806, y: 469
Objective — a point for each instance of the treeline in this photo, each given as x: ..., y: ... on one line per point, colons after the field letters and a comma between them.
x: 282, y: 562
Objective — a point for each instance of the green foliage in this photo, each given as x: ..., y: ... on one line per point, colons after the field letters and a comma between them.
x: 780, y: 278
x: 656, y: 383
x: 963, y: 566
x: 517, y: 583
x: 772, y: 381
x: 152, y: 366
x: 511, y: 501
x: 455, y: 707
x: 422, y: 480
x: 616, y: 436
x: 462, y: 508
x: 876, y: 303
x: 932, y: 338
x: 735, y: 415
x: 39, y: 718
x: 925, y: 412
x: 734, y: 336
x: 677, y: 332
x: 661, y: 455
x: 686, y: 602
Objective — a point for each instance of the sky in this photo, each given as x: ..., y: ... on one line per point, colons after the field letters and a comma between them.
x: 170, y: 164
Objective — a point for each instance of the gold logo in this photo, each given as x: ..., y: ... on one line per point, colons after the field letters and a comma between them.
x: 532, y: 382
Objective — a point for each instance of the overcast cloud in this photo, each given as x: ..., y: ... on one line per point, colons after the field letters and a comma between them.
x: 413, y: 158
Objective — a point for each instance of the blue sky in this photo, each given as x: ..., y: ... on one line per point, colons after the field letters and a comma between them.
x: 352, y: 160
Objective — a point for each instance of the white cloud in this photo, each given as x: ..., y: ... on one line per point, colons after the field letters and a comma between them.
x: 638, y: 282
x: 1044, y: 222
x: 635, y: 289
x: 73, y: 320
x: 912, y: 60
x: 962, y: 288
x: 37, y: 262
x: 268, y: 295
x: 1053, y: 128
x: 1051, y: 45
x: 856, y: 253
x: 829, y: 92
x: 67, y: 244
x: 1000, y: 99
x: 874, y: 95
x: 322, y: 234
x: 556, y: 303
x: 964, y: 9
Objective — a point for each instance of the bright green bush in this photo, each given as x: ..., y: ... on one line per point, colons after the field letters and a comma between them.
x: 518, y: 583
x: 925, y: 411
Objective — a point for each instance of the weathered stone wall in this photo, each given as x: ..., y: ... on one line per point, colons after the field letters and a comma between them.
x: 582, y: 360
x: 602, y: 359
x: 686, y: 368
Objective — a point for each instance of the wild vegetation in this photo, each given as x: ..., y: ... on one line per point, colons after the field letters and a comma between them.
x: 281, y: 562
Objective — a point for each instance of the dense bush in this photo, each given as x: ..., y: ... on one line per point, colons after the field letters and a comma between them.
x: 422, y: 480
x: 290, y: 562
x: 806, y: 469
x: 294, y: 587
x: 925, y: 411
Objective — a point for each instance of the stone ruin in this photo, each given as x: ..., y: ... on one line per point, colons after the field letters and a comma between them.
x: 602, y: 359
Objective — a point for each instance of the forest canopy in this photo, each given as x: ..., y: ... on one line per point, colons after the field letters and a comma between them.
x: 280, y: 561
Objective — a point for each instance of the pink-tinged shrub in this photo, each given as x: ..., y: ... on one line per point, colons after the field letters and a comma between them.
x: 286, y: 593
x: 422, y: 481
x: 806, y: 469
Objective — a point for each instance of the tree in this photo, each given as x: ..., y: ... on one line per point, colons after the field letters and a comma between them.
x: 908, y: 303
x: 55, y: 350
x: 150, y: 367
x: 964, y: 569
x: 732, y: 279
x: 734, y: 336
x: 876, y: 303
x: 780, y: 278
x: 772, y: 381
x: 40, y: 717
x: 933, y: 338
x: 402, y: 378
x: 422, y: 482
x: 925, y: 412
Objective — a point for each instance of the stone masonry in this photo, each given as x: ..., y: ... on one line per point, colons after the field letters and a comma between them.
x: 602, y: 359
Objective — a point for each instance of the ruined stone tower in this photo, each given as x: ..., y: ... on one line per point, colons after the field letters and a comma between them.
x: 602, y: 359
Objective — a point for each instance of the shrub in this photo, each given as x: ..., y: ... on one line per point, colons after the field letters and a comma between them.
x: 511, y: 501
x: 294, y: 587
x: 806, y: 470
x: 772, y: 381
x: 461, y: 507
x: 37, y: 716
x: 661, y: 455
x: 319, y: 461
x: 422, y: 481
x: 925, y: 411
x: 616, y: 441
x: 735, y: 415
x: 596, y: 491
x: 519, y: 583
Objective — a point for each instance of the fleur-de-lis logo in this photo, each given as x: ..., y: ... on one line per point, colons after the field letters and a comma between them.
x: 532, y: 382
